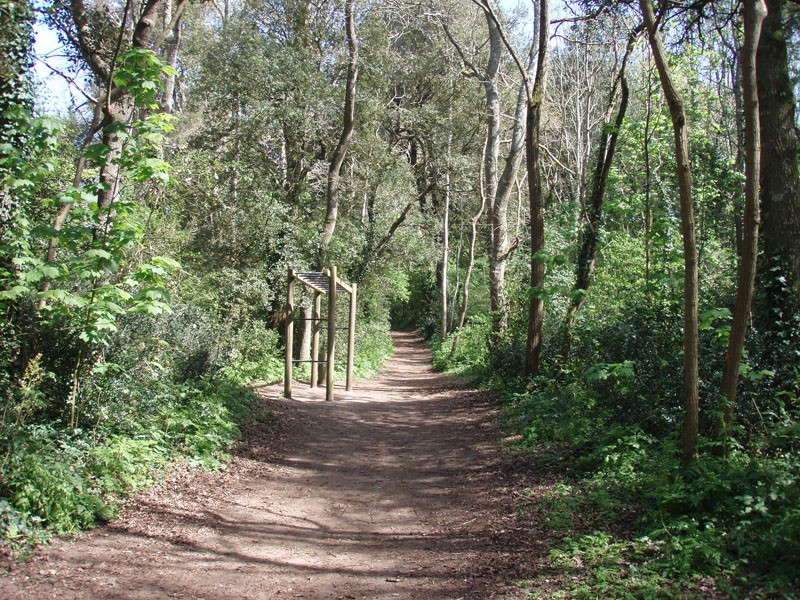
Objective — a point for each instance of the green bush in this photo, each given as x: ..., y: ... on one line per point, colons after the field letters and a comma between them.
x: 373, y: 347
x: 253, y: 354
x: 44, y: 482
x: 472, y: 358
x: 123, y: 465
x: 735, y: 520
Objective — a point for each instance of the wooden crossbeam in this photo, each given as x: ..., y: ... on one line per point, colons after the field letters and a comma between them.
x: 320, y: 283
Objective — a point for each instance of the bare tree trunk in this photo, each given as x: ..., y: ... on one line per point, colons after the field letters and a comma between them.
x: 754, y: 13
x: 500, y: 248
x: 691, y: 391
x: 344, y: 140
x: 533, y: 346
x: 590, y: 236
x: 445, y: 247
x: 648, y: 209
x: 172, y: 25
x: 491, y: 157
x: 305, y: 340
x: 497, y: 186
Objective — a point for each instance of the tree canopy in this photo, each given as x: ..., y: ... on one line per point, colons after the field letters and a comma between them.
x: 593, y: 206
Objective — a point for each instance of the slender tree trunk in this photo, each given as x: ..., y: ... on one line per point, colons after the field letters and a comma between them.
x: 590, y: 236
x: 445, y: 247
x: 533, y: 347
x: 308, y: 327
x: 173, y: 42
x: 500, y: 248
x: 754, y: 13
x: 348, y: 125
x: 491, y: 158
x: 473, y: 237
x: 691, y: 377
x: 497, y: 186
x: 738, y: 100
x: 648, y: 208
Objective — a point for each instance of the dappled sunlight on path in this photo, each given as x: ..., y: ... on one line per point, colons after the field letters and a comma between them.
x: 387, y: 492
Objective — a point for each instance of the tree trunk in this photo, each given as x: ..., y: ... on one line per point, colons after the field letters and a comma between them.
x: 113, y: 108
x: 533, y: 347
x: 491, y: 157
x: 648, y: 175
x: 590, y: 236
x: 173, y: 42
x: 780, y: 184
x: 754, y: 13
x: 473, y: 237
x: 445, y: 248
x: 500, y: 248
x: 691, y: 391
x: 308, y: 328
x: 344, y: 140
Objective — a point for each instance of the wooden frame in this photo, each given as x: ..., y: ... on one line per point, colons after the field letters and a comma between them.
x: 324, y: 282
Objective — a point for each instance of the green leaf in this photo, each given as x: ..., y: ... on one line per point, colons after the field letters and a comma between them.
x: 166, y: 262
x: 14, y: 292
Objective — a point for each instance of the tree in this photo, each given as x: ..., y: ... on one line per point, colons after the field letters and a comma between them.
x: 332, y: 195
x: 15, y: 43
x: 691, y: 378
x: 780, y: 184
x: 754, y: 13
x: 497, y: 184
x: 590, y: 236
x: 533, y: 347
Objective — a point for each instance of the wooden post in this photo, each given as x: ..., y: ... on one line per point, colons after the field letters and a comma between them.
x: 287, y: 376
x: 331, y: 332
x: 351, y: 337
x: 315, y: 338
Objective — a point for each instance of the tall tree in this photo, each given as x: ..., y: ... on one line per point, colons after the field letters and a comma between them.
x: 533, y: 152
x: 691, y: 377
x: 534, y: 87
x: 497, y: 184
x: 348, y: 125
x: 16, y: 21
x: 86, y: 27
x: 754, y: 13
x: 590, y: 236
x: 780, y: 182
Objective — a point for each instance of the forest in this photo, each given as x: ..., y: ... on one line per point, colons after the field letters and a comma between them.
x: 590, y: 208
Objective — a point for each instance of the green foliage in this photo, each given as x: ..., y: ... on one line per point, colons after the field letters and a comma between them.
x: 734, y: 520
x: 471, y: 358
x: 253, y: 354
x: 373, y: 347
x: 138, y: 72
x: 59, y: 480
x: 103, y: 382
x: 42, y: 480
x: 123, y: 465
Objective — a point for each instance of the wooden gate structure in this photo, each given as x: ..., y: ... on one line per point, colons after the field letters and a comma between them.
x: 320, y: 283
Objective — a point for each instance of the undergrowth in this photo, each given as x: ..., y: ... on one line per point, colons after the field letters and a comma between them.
x: 629, y: 520
x: 59, y: 480
x: 135, y: 420
x: 634, y: 523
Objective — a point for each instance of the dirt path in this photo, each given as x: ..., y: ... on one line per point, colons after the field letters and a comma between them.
x: 392, y: 491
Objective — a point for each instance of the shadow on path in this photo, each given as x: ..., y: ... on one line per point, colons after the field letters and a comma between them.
x: 390, y: 491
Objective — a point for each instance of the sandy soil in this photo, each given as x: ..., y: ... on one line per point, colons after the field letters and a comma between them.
x: 395, y: 490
